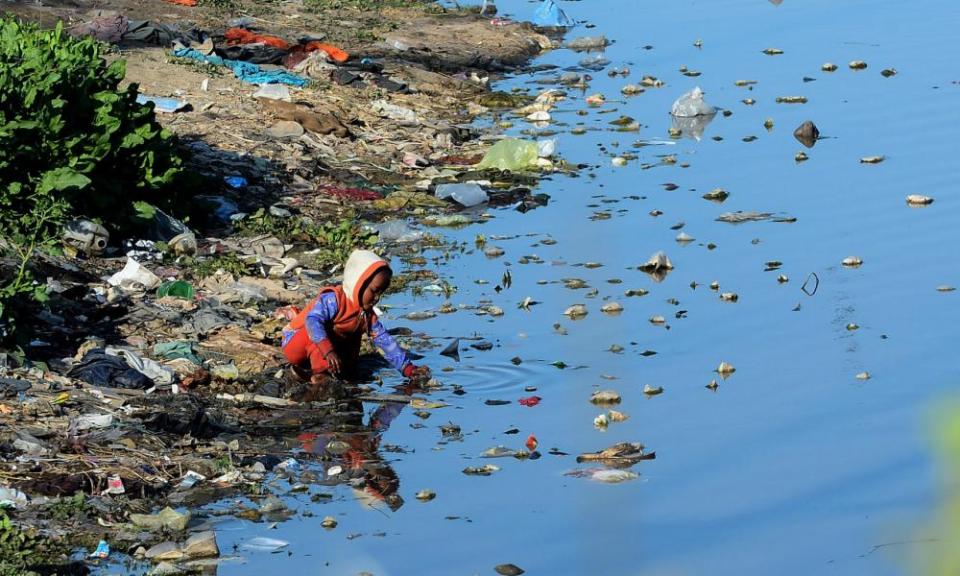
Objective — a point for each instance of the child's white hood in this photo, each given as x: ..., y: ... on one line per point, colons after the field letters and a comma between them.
x: 360, y: 266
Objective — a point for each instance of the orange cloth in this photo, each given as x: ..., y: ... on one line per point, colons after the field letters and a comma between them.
x: 183, y: 2
x: 336, y: 54
x: 236, y: 36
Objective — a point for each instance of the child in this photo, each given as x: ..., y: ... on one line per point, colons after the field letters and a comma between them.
x: 325, y: 336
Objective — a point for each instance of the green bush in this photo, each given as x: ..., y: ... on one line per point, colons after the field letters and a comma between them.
x: 72, y: 142
x: 67, y: 129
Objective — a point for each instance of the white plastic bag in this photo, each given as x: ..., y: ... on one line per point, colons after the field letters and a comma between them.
x: 134, y: 277
x: 692, y: 104
x: 466, y: 194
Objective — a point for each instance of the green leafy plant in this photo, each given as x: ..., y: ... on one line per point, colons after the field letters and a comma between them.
x: 16, y: 546
x: 71, y: 142
x: 335, y: 240
x: 67, y: 508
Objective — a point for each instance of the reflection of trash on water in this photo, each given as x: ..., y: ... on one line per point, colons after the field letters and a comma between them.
x: 691, y: 126
x: 359, y: 461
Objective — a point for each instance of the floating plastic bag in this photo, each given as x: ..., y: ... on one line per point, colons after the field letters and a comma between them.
x: 549, y: 14
x: 466, y: 194
x: 511, y: 154
x: 263, y: 544
x: 397, y: 231
x: 546, y: 148
x: 692, y: 104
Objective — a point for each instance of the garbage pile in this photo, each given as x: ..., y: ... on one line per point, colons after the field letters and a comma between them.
x: 154, y: 377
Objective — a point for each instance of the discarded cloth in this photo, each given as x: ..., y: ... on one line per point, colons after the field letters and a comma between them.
x: 10, y: 387
x: 101, y: 369
x: 335, y: 54
x: 150, y: 368
x: 252, y: 53
x: 148, y: 32
x: 177, y: 349
x: 245, y: 71
x: 236, y: 36
x: 105, y: 26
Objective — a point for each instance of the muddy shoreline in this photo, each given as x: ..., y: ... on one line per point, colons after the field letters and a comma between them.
x: 79, y: 458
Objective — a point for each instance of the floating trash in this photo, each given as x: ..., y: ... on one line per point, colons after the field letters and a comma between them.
x: 692, y: 104
x: 602, y: 397
x: 576, y: 311
x: 426, y: 495
x: 852, y: 262
x: 263, y: 544
x: 919, y: 200
x: 725, y: 369
x: 652, y: 390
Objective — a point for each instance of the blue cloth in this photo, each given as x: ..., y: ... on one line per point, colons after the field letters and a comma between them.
x: 549, y: 14
x: 325, y: 310
x: 245, y: 71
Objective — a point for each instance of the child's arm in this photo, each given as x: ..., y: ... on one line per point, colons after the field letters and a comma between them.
x: 395, y: 355
x: 322, y: 312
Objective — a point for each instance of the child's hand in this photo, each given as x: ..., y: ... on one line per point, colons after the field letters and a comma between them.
x: 334, y: 361
x: 416, y: 372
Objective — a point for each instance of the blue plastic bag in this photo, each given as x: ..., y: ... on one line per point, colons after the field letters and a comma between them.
x: 102, y: 551
x: 549, y: 14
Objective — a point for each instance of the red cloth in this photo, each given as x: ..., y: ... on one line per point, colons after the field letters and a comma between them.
x: 301, y: 351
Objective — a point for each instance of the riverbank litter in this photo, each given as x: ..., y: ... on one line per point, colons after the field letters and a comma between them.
x: 154, y: 378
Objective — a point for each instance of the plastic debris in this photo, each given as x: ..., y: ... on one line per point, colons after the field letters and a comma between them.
x: 511, y: 154
x: 273, y: 92
x: 466, y: 194
x: 87, y: 421
x: 164, y: 105
x: 393, y: 111
x: 115, y: 485
x: 530, y: 402
x: 548, y: 14
x: 102, y: 551
x: 191, y: 479
x: 692, y: 104
x: 12, y: 498
x: 399, y: 231
x: 177, y: 288
x: 262, y: 544
x: 134, y: 277
x: 86, y: 236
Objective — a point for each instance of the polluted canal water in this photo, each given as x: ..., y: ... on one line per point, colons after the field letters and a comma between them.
x: 738, y: 367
